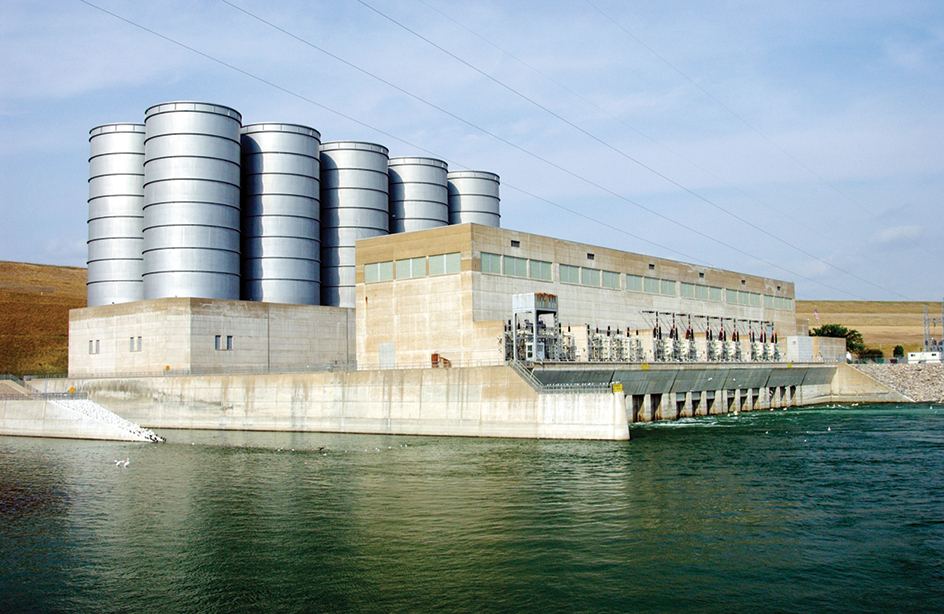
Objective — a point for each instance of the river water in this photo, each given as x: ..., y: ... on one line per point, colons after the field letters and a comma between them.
x: 816, y: 510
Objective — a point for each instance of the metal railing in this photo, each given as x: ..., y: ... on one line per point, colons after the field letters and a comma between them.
x: 31, y: 393
x: 570, y: 388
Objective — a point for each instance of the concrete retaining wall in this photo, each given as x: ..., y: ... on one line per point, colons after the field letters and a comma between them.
x: 477, y: 402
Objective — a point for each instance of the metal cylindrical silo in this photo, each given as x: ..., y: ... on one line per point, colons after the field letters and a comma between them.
x: 473, y: 197
x: 419, y: 198
x: 116, y: 214
x: 281, y: 242
x: 191, y: 201
x: 354, y: 205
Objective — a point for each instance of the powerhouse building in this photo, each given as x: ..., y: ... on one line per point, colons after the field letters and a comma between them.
x: 221, y: 247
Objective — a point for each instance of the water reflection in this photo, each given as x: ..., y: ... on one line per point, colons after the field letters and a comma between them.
x: 776, y: 511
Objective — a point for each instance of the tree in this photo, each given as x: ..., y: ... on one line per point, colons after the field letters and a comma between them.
x: 871, y: 354
x: 853, y: 337
x: 898, y: 352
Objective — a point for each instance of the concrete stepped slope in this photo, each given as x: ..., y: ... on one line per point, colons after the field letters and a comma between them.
x: 24, y: 411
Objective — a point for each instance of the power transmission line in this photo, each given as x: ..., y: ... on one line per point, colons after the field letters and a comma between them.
x: 536, y: 156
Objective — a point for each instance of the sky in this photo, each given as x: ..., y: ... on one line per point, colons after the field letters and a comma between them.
x: 802, y: 141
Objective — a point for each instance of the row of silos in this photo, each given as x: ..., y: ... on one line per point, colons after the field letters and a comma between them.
x: 193, y: 204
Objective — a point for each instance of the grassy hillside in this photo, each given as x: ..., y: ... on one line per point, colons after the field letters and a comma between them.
x: 35, y: 301
x: 883, y: 324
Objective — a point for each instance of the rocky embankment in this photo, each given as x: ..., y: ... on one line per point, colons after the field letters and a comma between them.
x: 919, y: 382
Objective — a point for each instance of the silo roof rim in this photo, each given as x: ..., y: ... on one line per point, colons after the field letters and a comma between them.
x: 279, y: 127
x: 417, y: 160
x: 473, y: 174
x: 362, y: 145
x: 132, y: 127
x: 192, y: 105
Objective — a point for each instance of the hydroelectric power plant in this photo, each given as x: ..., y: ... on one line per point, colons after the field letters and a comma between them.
x: 253, y: 277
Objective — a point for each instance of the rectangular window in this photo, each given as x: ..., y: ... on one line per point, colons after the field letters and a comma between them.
x: 229, y: 342
x: 453, y: 263
x: 540, y: 269
x: 444, y: 264
x: 667, y: 287
x: 378, y: 271
x: 491, y: 263
x: 714, y: 294
x: 94, y: 346
x: 744, y: 298
x: 411, y: 267
x: 778, y: 302
x: 371, y: 273
x: 686, y: 290
x: 569, y: 274
x: 768, y: 302
x: 731, y: 297
x: 788, y: 304
x: 131, y: 349
x: 515, y: 243
x: 590, y: 277
x: 755, y: 299
x: 218, y: 343
x: 516, y: 267
x: 701, y: 293
x: 437, y: 265
x: 650, y: 285
x: 611, y: 279
x: 385, y: 271
x: 139, y: 345
x: 634, y: 283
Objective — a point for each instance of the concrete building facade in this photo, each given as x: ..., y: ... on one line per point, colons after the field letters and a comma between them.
x: 189, y: 336
x: 448, y: 291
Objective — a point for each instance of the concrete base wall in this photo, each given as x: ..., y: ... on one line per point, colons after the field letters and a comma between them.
x: 476, y: 402
x: 40, y: 418
x: 203, y: 335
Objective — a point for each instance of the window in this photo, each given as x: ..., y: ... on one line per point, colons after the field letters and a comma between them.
x: 611, y: 279
x: 634, y: 283
x: 701, y: 293
x: 229, y: 342
x: 411, y: 267
x: 540, y: 269
x: 755, y: 299
x: 652, y: 267
x: 788, y: 304
x: 650, y: 285
x: 515, y: 243
x: 667, y: 287
x: 134, y: 344
x: 491, y: 263
x: 94, y: 346
x: 778, y: 302
x: 590, y: 277
x: 768, y: 302
x: 378, y: 271
x: 590, y: 256
x: 731, y: 297
x: 701, y: 276
x: 444, y: 264
x: 714, y: 294
x: 218, y: 342
x: 569, y: 274
x: 516, y: 267
x: 686, y: 290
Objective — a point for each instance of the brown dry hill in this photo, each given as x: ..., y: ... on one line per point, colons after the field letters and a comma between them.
x: 883, y: 324
x: 35, y: 300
